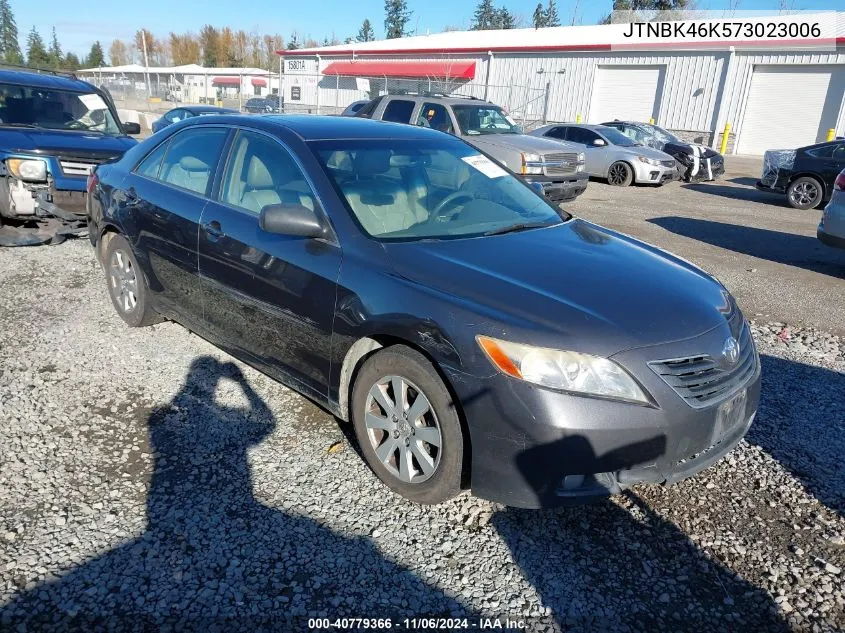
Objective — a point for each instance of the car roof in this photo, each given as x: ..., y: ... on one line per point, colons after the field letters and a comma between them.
x: 206, y: 108
x: 587, y: 126
x: 445, y: 99
x: 44, y: 80
x: 311, y: 127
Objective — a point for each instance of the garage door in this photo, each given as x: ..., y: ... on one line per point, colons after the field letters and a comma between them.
x: 629, y: 93
x: 790, y: 106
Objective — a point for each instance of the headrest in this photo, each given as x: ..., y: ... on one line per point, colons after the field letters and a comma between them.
x: 257, y: 175
x: 192, y: 163
x: 369, y: 162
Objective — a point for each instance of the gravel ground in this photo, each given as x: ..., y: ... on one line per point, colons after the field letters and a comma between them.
x: 150, y: 482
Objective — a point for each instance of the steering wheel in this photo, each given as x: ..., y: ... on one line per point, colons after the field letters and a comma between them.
x: 439, y: 215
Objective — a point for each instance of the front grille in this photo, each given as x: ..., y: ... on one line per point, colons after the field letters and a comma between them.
x: 704, y: 380
x: 76, y: 168
x: 560, y: 164
x: 667, y: 163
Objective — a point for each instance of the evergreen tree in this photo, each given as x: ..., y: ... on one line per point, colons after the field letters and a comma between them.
x: 506, y: 19
x: 486, y: 16
x: 96, y: 57
x: 10, y: 48
x: 396, y: 18
x: 36, y: 53
x: 539, y: 18
x: 56, y: 57
x: 552, y: 17
x: 209, y: 38
x: 293, y: 42
x: 366, y: 34
x: 72, y: 62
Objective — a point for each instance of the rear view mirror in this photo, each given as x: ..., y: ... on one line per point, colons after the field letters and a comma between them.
x: 290, y: 219
x: 599, y: 142
x: 131, y: 128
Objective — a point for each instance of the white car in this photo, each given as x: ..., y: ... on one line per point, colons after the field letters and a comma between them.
x: 831, y: 229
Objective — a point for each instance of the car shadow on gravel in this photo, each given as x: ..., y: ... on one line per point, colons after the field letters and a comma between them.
x: 740, y: 192
x: 801, y: 423
x: 215, y: 558
x: 618, y: 566
x: 800, y: 251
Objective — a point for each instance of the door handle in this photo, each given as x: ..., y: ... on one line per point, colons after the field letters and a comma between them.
x: 213, y: 229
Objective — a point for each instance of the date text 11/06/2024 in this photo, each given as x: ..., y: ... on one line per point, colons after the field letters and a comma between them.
x: 418, y: 624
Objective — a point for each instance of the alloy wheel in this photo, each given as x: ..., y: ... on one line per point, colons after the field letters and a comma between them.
x: 403, y: 429
x: 617, y: 174
x: 123, y: 282
x: 804, y: 193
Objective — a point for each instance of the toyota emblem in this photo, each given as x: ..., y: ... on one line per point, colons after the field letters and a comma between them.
x: 730, y: 351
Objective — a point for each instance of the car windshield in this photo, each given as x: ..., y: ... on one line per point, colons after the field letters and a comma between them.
x: 664, y: 136
x: 405, y: 189
x: 474, y: 120
x: 615, y: 137
x: 28, y: 106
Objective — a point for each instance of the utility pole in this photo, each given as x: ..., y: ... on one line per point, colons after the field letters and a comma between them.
x: 146, y: 62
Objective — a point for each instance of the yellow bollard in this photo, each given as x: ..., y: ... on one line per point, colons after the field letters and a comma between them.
x: 651, y: 120
x: 577, y: 118
x: 830, y: 134
x: 724, y: 146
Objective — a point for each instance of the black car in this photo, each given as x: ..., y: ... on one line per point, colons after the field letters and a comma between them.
x: 186, y: 112
x: 696, y: 162
x: 806, y: 175
x: 258, y: 105
x: 474, y: 334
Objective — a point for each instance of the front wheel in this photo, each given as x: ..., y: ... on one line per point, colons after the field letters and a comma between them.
x: 407, y: 425
x: 620, y: 174
x: 127, y: 286
x: 804, y: 193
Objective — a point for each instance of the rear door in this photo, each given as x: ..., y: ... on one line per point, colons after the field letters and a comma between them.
x: 269, y: 297
x: 595, y: 156
x: 163, y: 198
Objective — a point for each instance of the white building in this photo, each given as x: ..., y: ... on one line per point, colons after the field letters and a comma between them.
x: 782, y: 92
x: 190, y: 83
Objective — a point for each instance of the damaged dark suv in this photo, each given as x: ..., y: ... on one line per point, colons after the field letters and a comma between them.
x: 53, y: 130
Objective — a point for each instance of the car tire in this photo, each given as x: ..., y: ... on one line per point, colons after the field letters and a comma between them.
x: 804, y: 193
x: 403, y: 455
x: 127, y: 285
x: 620, y: 174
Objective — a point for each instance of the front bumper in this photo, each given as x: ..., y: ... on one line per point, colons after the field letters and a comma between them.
x: 42, y: 214
x: 561, y: 188
x: 645, y: 173
x: 535, y: 447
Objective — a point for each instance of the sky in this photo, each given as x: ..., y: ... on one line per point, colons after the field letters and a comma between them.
x: 103, y: 20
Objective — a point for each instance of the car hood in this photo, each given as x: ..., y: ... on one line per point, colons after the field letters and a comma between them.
x: 576, y: 285
x: 52, y: 142
x: 643, y: 150
x: 518, y: 142
x: 674, y: 149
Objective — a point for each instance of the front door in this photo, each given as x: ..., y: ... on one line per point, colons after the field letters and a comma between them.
x: 269, y: 297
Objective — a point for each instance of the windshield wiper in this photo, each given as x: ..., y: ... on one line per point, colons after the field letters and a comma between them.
x: 18, y: 125
x: 513, y: 228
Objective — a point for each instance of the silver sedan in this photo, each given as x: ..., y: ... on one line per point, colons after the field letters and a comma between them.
x: 612, y: 155
x: 831, y: 229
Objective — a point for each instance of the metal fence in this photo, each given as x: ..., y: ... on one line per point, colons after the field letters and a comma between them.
x: 331, y: 94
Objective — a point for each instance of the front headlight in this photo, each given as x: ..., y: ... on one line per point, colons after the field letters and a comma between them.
x: 582, y: 161
x: 559, y: 369
x: 650, y: 161
x: 532, y: 163
x: 28, y: 170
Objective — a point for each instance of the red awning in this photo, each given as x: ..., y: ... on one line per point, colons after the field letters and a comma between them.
x: 445, y: 69
x: 226, y: 81
x: 258, y: 81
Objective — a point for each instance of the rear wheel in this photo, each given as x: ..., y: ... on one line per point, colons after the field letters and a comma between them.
x: 127, y: 287
x: 804, y: 193
x: 407, y: 425
x: 620, y: 174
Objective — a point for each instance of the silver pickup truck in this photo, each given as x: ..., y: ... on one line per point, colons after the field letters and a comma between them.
x: 557, y: 167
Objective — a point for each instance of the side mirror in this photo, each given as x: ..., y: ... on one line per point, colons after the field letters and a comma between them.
x: 599, y: 142
x: 131, y: 128
x: 290, y: 219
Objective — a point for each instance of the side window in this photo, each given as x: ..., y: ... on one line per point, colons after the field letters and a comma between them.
x: 839, y: 153
x: 435, y: 116
x: 822, y: 152
x: 261, y: 172
x: 150, y: 166
x: 192, y: 157
x: 557, y: 132
x: 174, y: 116
x: 577, y: 135
x: 368, y: 108
x: 398, y: 111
